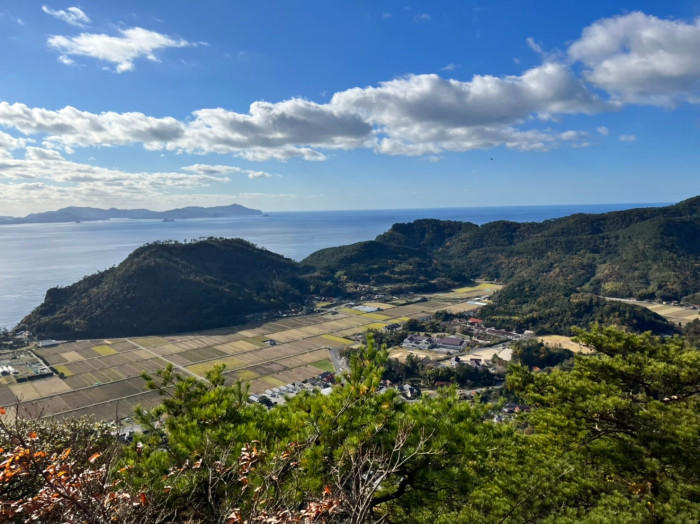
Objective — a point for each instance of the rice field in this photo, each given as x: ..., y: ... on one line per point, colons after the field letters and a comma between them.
x: 342, y: 340
x: 482, y: 287
x: 674, y: 314
x: 104, y: 350
x: 103, y: 377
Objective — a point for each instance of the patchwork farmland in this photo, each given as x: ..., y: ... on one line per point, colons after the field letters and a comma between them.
x: 103, y: 377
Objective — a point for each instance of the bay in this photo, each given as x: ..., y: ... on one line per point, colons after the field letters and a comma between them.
x: 36, y: 257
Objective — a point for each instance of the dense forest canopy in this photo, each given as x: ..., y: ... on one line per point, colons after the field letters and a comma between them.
x: 171, y: 286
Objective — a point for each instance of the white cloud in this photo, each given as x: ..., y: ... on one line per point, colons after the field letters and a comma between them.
x: 38, y: 153
x: 426, y: 114
x: 628, y: 138
x: 280, y: 130
x: 412, y: 115
x: 572, y: 135
x: 217, y: 169
x: 69, y: 127
x: 51, y: 168
x: 603, y: 130
x: 422, y: 17
x: 449, y: 67
x: 9, y: 143
x: 643, y: 59
x: 72, y: 15
x: 121, y: 51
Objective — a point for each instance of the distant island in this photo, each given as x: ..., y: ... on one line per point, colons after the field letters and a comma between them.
x: 86, y: 214
x: 557, y: 274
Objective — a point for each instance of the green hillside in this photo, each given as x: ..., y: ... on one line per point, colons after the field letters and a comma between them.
x: 168, y: 287
x: 554, y: 270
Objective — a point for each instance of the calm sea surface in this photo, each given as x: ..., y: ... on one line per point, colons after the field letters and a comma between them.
x: 36, y: 257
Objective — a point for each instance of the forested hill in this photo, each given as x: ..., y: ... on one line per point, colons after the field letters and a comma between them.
x: 555, y: 274
x: 555, y: 269
x: 168, y: 287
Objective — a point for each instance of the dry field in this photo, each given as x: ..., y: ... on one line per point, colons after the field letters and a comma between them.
x: 675, y: 314
x: 564, y: 342
x: 401, y: 354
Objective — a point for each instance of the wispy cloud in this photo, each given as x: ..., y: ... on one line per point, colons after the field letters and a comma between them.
x: 218, y: 169
x: 628, y: 138
x: 535, y: 46
x: 72, y: 15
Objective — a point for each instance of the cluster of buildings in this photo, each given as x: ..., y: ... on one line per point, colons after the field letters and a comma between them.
x: 23, y: 365
x: 279, y: 394
x: 481, y: 333
x: 446, y: 344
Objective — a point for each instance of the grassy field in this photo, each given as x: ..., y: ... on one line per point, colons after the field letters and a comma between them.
x: 104, y: 350
x: 323, y: 304
x: 376, y: 316
x: 325, y: 365
x: 484, y: 286
x: 342, y: 340
x: 63, y: 370
x: 350, y: 311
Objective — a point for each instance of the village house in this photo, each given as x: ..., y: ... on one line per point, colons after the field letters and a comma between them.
x: 450, y: 343
x: 418, y: 342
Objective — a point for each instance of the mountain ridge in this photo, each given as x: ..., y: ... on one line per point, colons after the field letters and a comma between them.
x: 85, y: 214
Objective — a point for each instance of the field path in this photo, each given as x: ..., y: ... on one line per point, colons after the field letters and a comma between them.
x: 181, y: 368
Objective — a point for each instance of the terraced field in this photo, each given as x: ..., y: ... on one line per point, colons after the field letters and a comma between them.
x: 103, y: 377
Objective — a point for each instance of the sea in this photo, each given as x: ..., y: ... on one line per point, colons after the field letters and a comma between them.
x: 36, y: 257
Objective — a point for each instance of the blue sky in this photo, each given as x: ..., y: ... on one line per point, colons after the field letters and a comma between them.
x: 347, y: 105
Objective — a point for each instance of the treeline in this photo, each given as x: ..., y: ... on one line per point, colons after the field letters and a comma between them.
x: 613, y: 437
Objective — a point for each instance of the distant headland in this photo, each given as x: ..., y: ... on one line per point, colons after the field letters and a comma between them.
x: 85, y: 214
